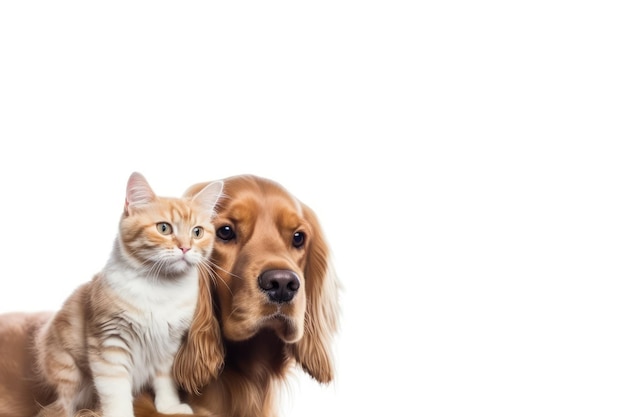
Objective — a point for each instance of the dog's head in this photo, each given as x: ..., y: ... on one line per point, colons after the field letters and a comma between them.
x: 272, y: 270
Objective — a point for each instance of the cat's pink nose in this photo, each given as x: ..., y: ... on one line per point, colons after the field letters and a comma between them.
x: 184, y: 249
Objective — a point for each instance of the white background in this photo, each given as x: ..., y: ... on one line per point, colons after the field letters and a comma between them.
x: 464, y: 158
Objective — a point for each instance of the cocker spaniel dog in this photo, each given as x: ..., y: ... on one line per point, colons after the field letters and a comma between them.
x: 273, y: 288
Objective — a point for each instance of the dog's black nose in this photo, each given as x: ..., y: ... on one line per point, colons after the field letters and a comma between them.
x: 281, y: 285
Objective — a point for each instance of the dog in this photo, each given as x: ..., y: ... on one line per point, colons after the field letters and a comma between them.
x: 275, y: 292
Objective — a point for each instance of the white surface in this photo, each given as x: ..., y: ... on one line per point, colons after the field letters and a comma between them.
x: 465, y: 159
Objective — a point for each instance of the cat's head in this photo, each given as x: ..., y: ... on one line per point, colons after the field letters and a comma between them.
x: 166, y: 236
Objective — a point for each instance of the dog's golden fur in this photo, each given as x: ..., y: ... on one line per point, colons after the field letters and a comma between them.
x: 256, y: 225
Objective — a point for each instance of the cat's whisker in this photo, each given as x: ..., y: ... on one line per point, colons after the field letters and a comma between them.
x: 149, y: 269
x: 158, y: 267
x: 228, y: 272
x: 207, y: 266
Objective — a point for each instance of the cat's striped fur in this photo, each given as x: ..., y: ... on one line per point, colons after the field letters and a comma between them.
x: 120, y: 332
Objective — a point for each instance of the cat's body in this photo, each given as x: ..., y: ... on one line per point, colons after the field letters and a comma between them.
x: 120, y: 332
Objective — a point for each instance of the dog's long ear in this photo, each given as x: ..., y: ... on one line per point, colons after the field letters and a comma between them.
x: 314, y: 351
x: 201, y: 356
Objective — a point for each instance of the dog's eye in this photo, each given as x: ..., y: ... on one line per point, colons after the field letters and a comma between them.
x: 225, y: 233
x: 298, y: 239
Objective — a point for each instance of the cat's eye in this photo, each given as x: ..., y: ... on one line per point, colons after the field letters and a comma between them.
x: 225, y: 233
x: 197, y: 232
x: 164, y: 228
x: 298, y: 239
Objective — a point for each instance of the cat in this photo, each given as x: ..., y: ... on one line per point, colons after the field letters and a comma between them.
x: 119, y: 333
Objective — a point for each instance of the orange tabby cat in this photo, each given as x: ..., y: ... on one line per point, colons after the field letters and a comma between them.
x: 120, y: 332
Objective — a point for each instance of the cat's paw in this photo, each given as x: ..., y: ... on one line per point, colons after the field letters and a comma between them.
x: 177, y: 409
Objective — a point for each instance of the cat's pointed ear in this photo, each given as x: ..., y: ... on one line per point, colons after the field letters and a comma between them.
x: 208, y: 197
x: 138, y: 192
